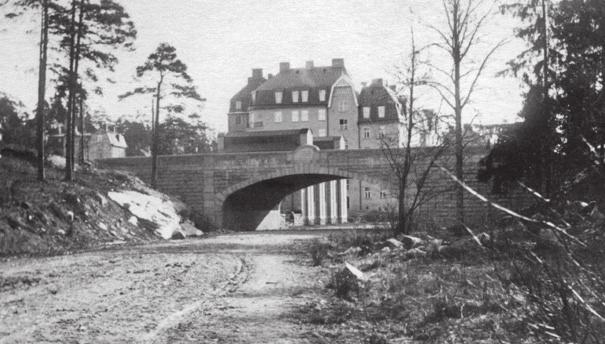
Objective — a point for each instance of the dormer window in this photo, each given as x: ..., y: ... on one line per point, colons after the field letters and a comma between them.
x: 278, y: 97
x: 295, y: 96
x: 381, y: 111
x: 366, y: 112
x: 305, y: 96
x: 238, y: 105
x: 322, y: 95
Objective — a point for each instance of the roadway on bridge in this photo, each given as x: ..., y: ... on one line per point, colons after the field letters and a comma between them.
x: 239, y: 288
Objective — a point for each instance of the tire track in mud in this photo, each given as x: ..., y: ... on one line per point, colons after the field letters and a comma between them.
x: 239, y: 277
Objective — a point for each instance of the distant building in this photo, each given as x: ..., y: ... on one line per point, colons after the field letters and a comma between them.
x: 105, y: 144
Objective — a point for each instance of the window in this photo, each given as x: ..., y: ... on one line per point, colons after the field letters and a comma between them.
x: 383, y: 194
x: 367, y: 193
x: 278, y: 97
x: 294, y: 96
x: 381, y: 111
x: 342, y: 106
x: 322, y: 132
x: 366, y: 112
x: 344, y: 124
x: 238, y: 120
x: 253, y: 97
x: 305, y: 96
x: 278, y: 117
x: 321, y: 115
x: 322, y: 95
x: 295, y: 116
x: 238, y: 105
x: 366, y: 133
x: 382, y: 132
x: 304, y: 115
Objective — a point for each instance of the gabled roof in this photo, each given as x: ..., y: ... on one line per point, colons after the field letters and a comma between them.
x: 245, y: 94
x: 312, y: 79
x: 375, y: 95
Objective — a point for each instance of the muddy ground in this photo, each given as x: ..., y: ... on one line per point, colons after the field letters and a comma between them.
x: 228, y: 289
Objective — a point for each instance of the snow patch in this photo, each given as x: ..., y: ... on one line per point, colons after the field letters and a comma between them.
x: 151, y: 208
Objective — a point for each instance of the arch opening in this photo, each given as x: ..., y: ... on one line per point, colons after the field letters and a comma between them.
x: 246, y: 209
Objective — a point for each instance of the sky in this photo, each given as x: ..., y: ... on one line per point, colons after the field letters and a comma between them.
x: 222, y: 41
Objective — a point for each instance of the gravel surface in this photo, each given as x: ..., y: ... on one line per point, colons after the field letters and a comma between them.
x: 228, y: 289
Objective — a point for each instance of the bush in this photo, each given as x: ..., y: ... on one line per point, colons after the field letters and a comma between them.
x: 318, y: 251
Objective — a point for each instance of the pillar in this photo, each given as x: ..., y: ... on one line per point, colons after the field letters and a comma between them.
x: 333, y: 204
x: 311, y: 205
x: 343, y: 213
x: 322, y: 206
x: 303, y: 206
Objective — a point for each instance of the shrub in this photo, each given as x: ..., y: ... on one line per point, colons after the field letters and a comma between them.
x: 318, y: 251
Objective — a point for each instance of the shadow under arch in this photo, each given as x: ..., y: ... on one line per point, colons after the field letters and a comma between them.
x: 245, y: 205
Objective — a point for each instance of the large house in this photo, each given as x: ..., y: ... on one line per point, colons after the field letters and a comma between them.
x: 323, y: 100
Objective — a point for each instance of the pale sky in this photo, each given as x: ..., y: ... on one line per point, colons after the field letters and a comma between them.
x: 221, y: 41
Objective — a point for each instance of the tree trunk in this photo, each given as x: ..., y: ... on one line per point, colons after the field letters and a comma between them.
x: 70, y: 100
x: 82, y: 140
x: 42, y: 89
x: 156, y: 138
x: 459, y: 148
x: 401, y: 216
x: 75, y: 85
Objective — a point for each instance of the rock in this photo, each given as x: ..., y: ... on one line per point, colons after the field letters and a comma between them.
x: 385, y: 249
x: 57, y: 161
x: 70, y: 216
x: 351, y: 251
x: 103, y: 226
x: 189, y: 229
x: 57, y: 210
x: 102, y: 200
x: 355, y: 272
x: 133, y: 221
x: 53, y: 289
x: 16, y: 223
x: 596, y: 215
x: 484, y: 238
x: 26, y: 205
x: 61, y: 232
x: 177, y: 235
x: 394, y: 243
x: 71, y: 198
x: 411, y: 241
x: 415, y: 253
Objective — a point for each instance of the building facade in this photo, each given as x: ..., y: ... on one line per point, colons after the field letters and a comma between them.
x: 323, y: 100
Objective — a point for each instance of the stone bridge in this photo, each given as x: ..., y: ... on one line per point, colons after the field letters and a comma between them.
x: 237, y: 190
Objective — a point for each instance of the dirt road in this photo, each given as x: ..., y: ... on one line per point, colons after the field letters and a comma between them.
x: 228, y: 289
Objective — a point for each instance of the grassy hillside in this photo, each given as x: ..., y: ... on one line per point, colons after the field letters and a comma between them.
x: 55, y: 217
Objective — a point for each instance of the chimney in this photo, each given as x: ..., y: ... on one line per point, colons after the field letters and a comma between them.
x: 257, y: 73
x: 309, y: 64
x: 338, y: 63
x: 284, y: 67
x: 377, y: 82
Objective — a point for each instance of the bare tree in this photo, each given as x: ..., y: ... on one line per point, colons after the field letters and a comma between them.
x: 412, y: 167
x: 465, y: 19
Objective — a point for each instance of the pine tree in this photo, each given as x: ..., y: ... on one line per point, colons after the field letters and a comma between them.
x: 170, y: 80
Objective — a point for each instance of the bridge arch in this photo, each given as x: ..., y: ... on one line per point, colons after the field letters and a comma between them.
x: 246, y: 204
